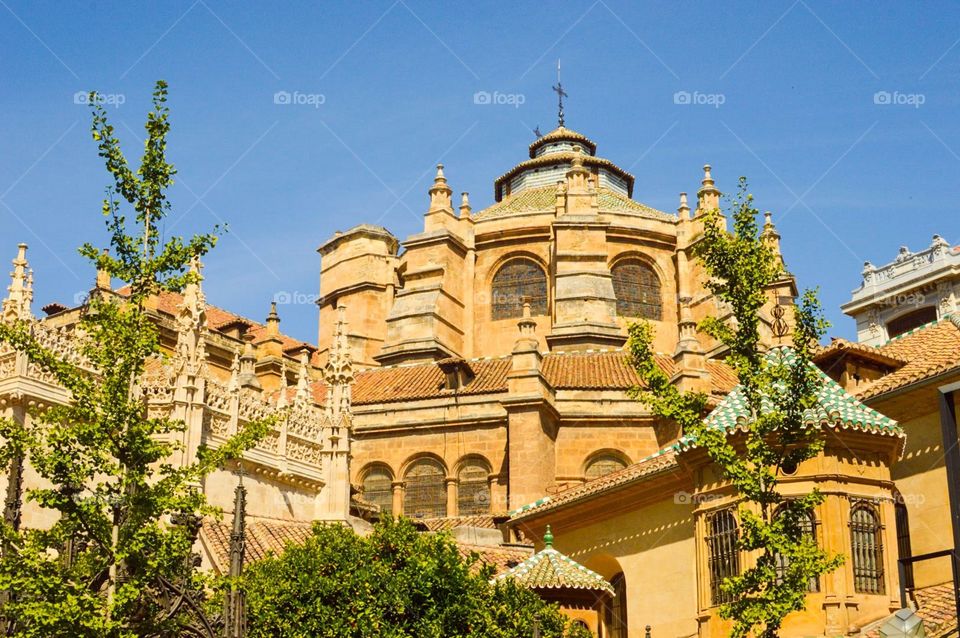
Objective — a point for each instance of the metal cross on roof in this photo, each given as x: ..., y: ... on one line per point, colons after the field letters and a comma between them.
x: 560, y: 95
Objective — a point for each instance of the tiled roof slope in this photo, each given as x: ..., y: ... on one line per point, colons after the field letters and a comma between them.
x: 589, y: 370
x: 452, y: 522
x: 661, y: 461
x: 928, y: 351
x: 169, y: 303
x: 543, y: 199
x: 871, y: 353
x: 501, y: 557
x: 549, y: 569
x: 835, y: 406
x: 935, y: 605
x: 262, y: 539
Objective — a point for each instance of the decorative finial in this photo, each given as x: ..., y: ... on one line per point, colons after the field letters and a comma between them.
x: 282, y: 395
x: 273, y: 320
x: 303, y: 379
x: 536, y: 131
x: 465, y: 204
x: 707, y: 178
x: 440, y: 192
x: 103, y: 277
x: 684, y: 209
x: 548, y: 538
x: 440, y: 176
x: 560, y: 95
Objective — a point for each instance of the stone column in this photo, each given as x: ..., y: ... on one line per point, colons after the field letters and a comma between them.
x: 397, y: 487
x: 452, y: 508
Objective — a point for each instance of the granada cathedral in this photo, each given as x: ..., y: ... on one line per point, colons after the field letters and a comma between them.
x: 473, y: 377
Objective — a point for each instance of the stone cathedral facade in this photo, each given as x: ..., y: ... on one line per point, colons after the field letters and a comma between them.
x: 218, y: 372
x: 489, y: 346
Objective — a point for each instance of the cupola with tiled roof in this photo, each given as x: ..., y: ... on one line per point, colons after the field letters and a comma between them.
x: 548, y: 569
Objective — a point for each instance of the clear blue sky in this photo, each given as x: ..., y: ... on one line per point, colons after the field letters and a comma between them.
x: 847, y: 179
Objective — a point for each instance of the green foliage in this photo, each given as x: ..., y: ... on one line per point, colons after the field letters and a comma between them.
x: 777, y: 391
x: 394, y: 583
x: 111, y: 485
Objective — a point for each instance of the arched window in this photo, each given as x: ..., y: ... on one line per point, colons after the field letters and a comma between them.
x: 723, y: 555
x: 473, y: 488
x: 637, y: 288
x: 911, y: 320
x: 377, y: 488
x: 425, y: 495
x: 866, y: 548
x: 615, y: 614
x: 903, y: 542
x: 808, y: 527
x: 516, y: 279
x: 603, y: 464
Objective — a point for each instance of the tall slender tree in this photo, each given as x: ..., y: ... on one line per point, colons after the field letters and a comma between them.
x: 101, y: 569
x: 779, y: 386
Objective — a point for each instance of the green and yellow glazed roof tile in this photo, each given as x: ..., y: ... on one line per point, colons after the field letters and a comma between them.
x: 549, y: 569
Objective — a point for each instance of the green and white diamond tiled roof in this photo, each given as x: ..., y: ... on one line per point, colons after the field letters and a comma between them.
x: 549, y: 569
x: 836, y: 408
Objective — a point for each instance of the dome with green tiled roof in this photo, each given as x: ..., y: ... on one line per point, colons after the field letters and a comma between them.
x: 531, y: 185
x: 549, y: 569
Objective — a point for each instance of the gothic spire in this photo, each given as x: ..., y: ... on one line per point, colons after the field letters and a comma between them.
x: 303, y: 378
x: 192, y: 322
x: 20, y: 291
x: 440, y: 192
x: 338, y: 372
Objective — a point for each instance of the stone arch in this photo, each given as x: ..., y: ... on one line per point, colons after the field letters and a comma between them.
x: 638, y: 284
x: 473, y: 472
x: 376, y: 479
x: 507, y: 282
x: 425, y: 487
x: 603, y: 462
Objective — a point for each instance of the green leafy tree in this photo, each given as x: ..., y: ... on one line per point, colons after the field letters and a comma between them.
x: 394, y: 583
x: 106, y: 465
x: 778, y: 386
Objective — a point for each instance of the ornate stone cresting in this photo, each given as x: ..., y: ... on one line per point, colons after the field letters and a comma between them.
x: 338, y: 373
x: 926, y: 282
x: 16, y: 306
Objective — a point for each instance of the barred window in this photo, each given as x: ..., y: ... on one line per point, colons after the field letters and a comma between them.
x: 425, y: 495
x: 903, y: 542
x: 615, y: 614
x: 723, y: 555
x: 473, y: 489
x: 517, y: 279
x: 377, y: 489
x: 866, y: 547
x: 603, y: 464
x: 637, y: 288
x: 808, y: 526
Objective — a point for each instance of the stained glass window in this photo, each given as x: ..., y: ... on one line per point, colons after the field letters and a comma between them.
x: 425, y: 495
x: 637, y: 289
x: 377, y: 489
x: 603, y: 464
x: 516, y: 280
x: 473, y: 493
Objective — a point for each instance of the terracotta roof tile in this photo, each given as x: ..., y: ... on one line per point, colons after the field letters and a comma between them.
x: 597, y: 370
x: 661, y: 461
x: 501, y: 557
x: 263, y: 537
x: 484, y: 521
x: 935, y: 605
x: 425, y: 381
x: 871, y: 353
x: 928, y: 351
